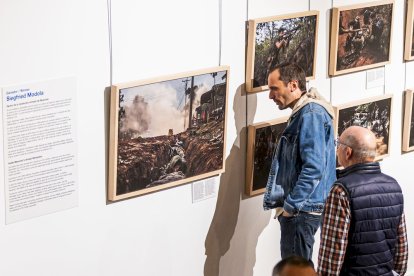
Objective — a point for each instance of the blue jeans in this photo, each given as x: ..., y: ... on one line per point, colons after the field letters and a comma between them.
x: 297, y: 234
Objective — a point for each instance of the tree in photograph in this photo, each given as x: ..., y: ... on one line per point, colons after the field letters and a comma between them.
x: 289, y: 40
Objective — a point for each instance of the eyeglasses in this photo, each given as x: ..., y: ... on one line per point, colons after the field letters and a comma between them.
x: 338, y: 143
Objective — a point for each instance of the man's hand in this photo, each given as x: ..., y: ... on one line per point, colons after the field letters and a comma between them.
x: 286, y: 214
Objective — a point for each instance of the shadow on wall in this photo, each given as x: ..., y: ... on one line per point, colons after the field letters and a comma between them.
x: 235, y: 222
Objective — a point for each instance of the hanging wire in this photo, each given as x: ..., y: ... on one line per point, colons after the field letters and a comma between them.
x: 330, y: 88
x: 308, y: 82
x: 220, y: 28
x: 109, y: 7
x: 405, y: 76
x: 330, y: 78
x: 247, y: 10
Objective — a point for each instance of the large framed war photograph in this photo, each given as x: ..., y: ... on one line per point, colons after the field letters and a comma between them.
x: 373, y: 114
x: 408, y: 127
x: 360, y: 37
x: 409, y: 32
x: 262, y: 141
x: 167, y: 131
x: 279, y: 39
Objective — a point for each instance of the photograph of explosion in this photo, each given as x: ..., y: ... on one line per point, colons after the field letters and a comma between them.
x: 263, y: 140
x: 409, y: 32
x: 374, y: 114
x: 276, y: 40
x: 361, y: 37
x: 170, y: 132
x: 408, y: 128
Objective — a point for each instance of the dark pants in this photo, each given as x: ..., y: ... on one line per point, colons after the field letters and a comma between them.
x: 298, y: 234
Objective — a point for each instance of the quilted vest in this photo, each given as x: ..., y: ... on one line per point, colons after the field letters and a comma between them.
x: 376, y: 203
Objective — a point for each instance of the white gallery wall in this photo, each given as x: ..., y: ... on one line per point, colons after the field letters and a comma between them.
x: 164, y: 233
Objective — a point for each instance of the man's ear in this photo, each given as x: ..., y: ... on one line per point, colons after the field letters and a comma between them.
x: 294, y: 84
x: 348, y: 153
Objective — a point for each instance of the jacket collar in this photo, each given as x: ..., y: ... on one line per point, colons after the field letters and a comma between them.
x: 371, y: 167
x: 312, y: 96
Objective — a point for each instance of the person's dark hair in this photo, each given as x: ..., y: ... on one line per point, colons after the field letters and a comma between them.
x: 289, y: 72
x: 297, y: 261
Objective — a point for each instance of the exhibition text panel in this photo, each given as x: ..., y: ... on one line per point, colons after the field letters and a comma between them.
x: 39, y: 128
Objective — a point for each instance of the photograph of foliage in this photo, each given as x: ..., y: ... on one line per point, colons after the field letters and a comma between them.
x: 409, y: 32
x: 167, y: 131
x: 361, y: 37
x: 373, y: 114
x: 279, y: 39
x: 408, y: 127
x: 262, y: 141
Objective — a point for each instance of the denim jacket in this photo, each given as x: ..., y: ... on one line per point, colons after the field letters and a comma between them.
x: 304, y: 162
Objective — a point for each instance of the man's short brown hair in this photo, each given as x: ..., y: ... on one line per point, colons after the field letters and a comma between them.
x: 289, y: 72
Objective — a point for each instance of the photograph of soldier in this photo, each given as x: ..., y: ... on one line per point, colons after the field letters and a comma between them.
x: 275, y: 41
x: 364, y: 36
x: 171, y: 130
x: 375, y: 116
x: 265, y: 143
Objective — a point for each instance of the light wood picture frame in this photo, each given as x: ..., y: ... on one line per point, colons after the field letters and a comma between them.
x: 262, y: 141
x: 409, y: 32
x: 373, y: 113
x: 408, y: 127
x: 278, y: 39
x: 361, y: 37
x: 167, y: 131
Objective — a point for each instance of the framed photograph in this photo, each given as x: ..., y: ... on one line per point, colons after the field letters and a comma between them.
x: 409, y: 32
x: 167, y: 131
x: 360, y: 37
x: 278, y: 39
x: 372, y: 113
x: 408, y: 130
x: 262, y: 141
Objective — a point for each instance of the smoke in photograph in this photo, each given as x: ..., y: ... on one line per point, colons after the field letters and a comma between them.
x: 156, y: 109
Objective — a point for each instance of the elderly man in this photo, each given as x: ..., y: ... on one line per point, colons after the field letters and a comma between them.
x: 363, y: 231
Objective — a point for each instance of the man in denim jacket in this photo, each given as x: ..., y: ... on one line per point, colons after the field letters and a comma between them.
x: 303, y: 166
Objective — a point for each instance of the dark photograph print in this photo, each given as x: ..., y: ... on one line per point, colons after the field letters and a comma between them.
x: 408, y: 127
x: 167, y: 131
x: 373, y: 114
x: 262, y: 141
x: 278, y: 39
x: 360, y: 37
x: 409, y: 32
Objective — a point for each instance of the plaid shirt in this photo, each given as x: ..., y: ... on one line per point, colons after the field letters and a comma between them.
x: 334, y: 236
